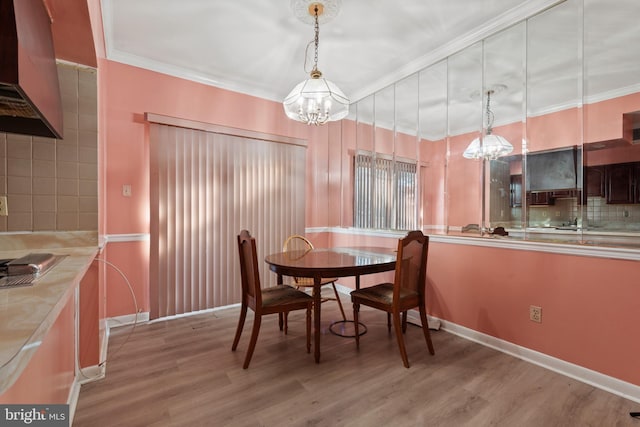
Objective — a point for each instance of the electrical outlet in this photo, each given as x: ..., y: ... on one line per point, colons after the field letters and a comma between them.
x: 535, y: 313
x: 4, y: 209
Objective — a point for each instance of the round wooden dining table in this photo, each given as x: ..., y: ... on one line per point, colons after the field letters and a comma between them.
x: 332, y: 262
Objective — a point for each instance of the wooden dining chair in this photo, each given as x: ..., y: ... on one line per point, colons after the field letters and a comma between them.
x: 298, y: 242
x: 406, y: 292
x: 279, y: 299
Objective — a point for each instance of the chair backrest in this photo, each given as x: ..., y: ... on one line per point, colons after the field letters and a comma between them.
x: 411, y: 264
x: 249, y: 269
x: 296, y: 242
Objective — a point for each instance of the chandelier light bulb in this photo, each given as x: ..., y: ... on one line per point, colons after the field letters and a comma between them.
x: 316, y: 100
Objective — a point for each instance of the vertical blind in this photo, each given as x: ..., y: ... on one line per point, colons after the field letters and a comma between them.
x: 205, y: 188
x: 384, y: 193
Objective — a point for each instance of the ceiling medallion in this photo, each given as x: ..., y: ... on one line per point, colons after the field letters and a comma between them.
x: 327, y: 10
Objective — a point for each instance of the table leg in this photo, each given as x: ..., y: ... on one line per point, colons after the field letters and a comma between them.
x: 317, y: 303
x: 346, y: 328
x: 281, y: 319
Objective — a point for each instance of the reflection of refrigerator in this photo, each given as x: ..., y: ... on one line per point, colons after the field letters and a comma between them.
x: 499, y: 194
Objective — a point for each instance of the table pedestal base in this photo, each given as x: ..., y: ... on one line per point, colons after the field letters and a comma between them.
x: 346, y: 328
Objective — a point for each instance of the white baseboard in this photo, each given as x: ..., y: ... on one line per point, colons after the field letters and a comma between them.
x: 127, y: 319
x: 579, y: 373
x: 72, y: 399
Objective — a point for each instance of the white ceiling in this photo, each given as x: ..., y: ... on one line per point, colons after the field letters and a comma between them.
x: 258, y: 47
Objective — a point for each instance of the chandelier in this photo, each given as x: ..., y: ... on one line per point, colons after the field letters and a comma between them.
x: 490, y: 146
x: 316, y: 100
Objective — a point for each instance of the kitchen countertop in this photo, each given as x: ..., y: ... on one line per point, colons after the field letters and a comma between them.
x: 27, y: 313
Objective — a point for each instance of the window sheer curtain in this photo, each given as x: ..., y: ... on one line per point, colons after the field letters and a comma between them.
x: 205, y: 187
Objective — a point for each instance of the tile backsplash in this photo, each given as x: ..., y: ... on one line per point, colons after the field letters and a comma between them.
x: 599, y: 215
x: 52, y: 184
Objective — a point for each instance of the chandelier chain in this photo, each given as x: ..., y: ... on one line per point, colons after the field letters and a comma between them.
x: 489, y: 113
x: 316, y: 27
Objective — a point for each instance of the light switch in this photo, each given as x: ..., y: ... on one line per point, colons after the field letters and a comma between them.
x: 126, y: 190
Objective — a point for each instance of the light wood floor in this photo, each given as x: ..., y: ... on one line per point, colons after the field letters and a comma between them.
x: 182, y: 372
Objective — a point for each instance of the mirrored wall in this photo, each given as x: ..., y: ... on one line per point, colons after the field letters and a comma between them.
x: 562, y: 88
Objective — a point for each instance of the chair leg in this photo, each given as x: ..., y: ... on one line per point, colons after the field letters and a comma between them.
x: 286, y: 322
x: 404, y: 322
x: 309, y: 329
x: 389, y: 322
x: 254, y: 338
x: 399, y: 336
x: 425, y: 329
x: 335, y: 291
x: 280, y: 320
x: 356, y: 324
x: 243, y: 315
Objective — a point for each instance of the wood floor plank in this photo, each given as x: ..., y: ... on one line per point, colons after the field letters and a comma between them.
x: 182, y: 372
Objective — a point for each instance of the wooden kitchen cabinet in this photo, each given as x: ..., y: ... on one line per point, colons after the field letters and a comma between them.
x: 563, y: 194
x: 620, y: 183
x: 543, y: 198
x: 515, y: 188
x: 636, y: 182
x: 595, y: 180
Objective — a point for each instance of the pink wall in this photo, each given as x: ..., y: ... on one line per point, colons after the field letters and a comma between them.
x: 622, y: 154
x: 433, y: 159
x: 463, y: 188
x: 132, y: 259
x: 604, y: 120
x: 50, y: 373
x: 344, y: 190
x: 561, y: 129
x: 590, y: 305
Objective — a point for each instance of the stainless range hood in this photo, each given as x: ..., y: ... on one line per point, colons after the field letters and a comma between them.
x: 29, y: 90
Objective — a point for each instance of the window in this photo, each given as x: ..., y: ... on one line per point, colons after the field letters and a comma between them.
x: 384, y: 192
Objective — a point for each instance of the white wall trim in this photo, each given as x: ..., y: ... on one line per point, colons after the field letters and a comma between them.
x: 555, y: 248
x: 577, y: 249
x: 72, y: 400
x: 119, y: 238
x: 127, y: 319
x: 356, y: 231
x: 579, y: 373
